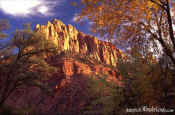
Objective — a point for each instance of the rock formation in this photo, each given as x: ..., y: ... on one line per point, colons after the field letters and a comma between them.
x: 70, y: 85
x: 71, y: 82
x: 69, y: 38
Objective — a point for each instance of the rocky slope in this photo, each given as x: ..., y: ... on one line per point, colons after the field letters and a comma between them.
x: 69, y: 38
x: 71, y: 88
x: 89, y: 58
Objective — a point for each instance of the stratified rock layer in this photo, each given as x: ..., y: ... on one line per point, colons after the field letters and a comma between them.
x: 69, y: 38
x: 71, y: 83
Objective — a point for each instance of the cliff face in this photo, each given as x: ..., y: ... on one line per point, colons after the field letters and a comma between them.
x: 71, y: 82
x: 69, y: 38
x: 71, y: 88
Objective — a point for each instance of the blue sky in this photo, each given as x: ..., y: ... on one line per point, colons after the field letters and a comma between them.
x: 19, y: 12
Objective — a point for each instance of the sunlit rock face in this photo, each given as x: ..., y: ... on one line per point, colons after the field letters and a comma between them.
x: 67, y: 37
x: 71, y: 82
x: 70, y: 88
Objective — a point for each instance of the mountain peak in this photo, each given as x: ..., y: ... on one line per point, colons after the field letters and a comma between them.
x: 67, y: 37
x: 76, y: 73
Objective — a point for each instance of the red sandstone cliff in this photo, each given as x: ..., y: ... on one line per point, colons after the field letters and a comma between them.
x: 70, y: 82
x: 69, y: 38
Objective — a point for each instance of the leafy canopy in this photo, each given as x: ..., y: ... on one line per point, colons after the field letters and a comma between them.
x: 23, y: 62
x: 143, y: 23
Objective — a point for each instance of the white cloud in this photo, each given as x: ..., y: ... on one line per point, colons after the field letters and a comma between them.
x: 43, y: 9
x: 77, y: 18
x: 27, y: 7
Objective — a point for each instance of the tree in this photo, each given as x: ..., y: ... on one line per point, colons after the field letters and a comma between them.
x: 146, y: 83
x: 3, y: 26
x: 134, y: 22
x: 23, y: 64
